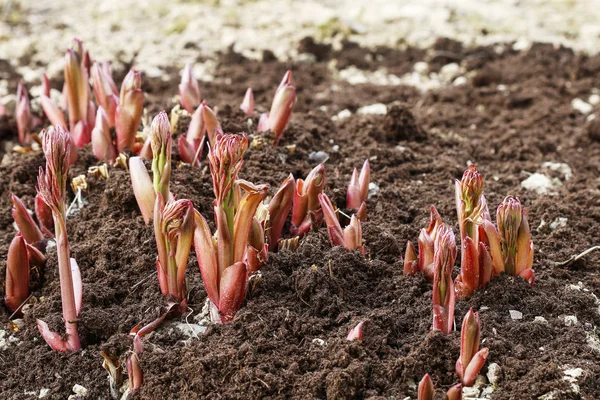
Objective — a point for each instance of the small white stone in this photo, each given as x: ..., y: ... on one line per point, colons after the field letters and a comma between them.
x: 570, y: 320
x: 373, y: 190
x: 43, y: 393
x: 521, y: 45
x: 558, y: 223
x: 549, y: 396
x: 319, y: 156
x: 494, y: 373
x: 573, y: 372
x: 501, y: 88
x: 537, y: 182
x: 581, y: 106
x: 470, y: 392
x: 562, y: 168
x: 190, y: 330
x: 421, y: 67
x: 345, y: 113
x: 335, y: 148
x: 460, y: 81
x: 401, y: 149
x: 373, y: 109
x: 514, y: 314
x: 318, y: 341
x: 450, y: 70
x: 540, y: 320
x: 594, y: 99
x: 79, y: 390
x: 590, y: 117
x: 487, y: 392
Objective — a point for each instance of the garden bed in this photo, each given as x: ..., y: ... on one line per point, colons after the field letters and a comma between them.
x: 511, y: 114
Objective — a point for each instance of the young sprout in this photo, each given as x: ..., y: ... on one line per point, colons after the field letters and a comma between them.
x: 278, y: 209
x: 52, y: 111
x: 281, y: 108
x: 174, y: 232
x: 189, y: 90
x: 247, y: 105
x: 356, y: 333
x: 223, y: 262
x: 129, y: 111
x: 471, y: 358
x: 476, y: 267
x: 515, y: 239
x: 358, y: 189
x: 350, y: 237
x: 134, y: 370
x: 426, y: 242
x: 306, y: 209
x: 17, y: 274
x: 426, y: 390
x: 28, y: 228
x: 443, y: 287
x: 102, y: 143
x: 79, y: 105
x: 105, y: 91
x: 23, y: 115
x: 52, y: 183
x: 203, y: 126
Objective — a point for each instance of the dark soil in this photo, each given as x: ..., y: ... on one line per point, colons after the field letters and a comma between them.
x: 288, y: 341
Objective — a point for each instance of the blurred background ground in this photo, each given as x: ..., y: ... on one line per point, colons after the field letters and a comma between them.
x: 154, y: 34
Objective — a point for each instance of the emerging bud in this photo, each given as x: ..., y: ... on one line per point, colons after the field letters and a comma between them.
x: 174, y: 231
x: 129, y: 111
x: 28, y: 228
x: 471, y: 358
x: 306, y: 206
x: 142, y: 187
x: 187, y: 152
x: 283, y: 104
x: 189, y: 90
x: 426, y: 389
x: 247, y: 105
x: 350, y: 237
x: 426, y: 242
x: 279, y: 208
x: 356, y: 333
x: 102, y: 144
x: 226, y: 158
x: 17, y: 274
x: 411, y: 262
x: 443, y: 286
x: 76, y: 81
x: 52, y: 111
x: 358, y: 190
x: 257, y: 251
x: 23, y: 115
x: 105, y: 90
x: 455, y: 392
x: 204, y: 124
x: 470, y: 202
x: 134, y: 370
x: 52, y: 184
x: 160, y: 136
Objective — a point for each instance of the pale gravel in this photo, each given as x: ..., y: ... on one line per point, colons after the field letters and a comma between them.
x: 160, y: 33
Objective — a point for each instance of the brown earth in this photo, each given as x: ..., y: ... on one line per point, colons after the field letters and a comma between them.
x: 269, y: 350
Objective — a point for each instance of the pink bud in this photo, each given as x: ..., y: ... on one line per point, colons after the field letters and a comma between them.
x: 356, y: 333
x: 102, y: 144
x: 247, y: 105
x: 189, y: 90
x: 17, y: 273
x: 283, y: 104
x: 23, y: 115
x: 129, y: 111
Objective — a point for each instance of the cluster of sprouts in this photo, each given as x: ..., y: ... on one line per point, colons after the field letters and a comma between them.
x: 248, y: 224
